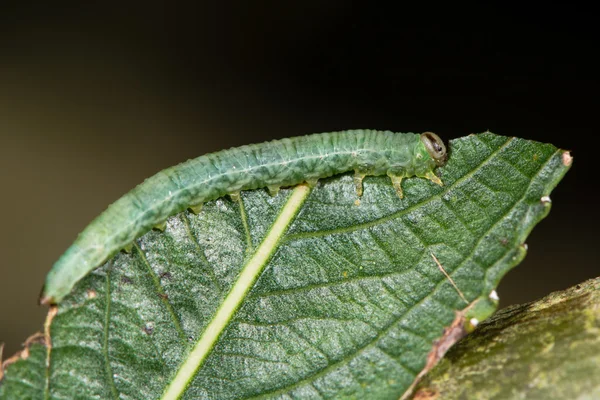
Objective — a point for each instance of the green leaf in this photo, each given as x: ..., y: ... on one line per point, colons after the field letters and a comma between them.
x: 308, y: 294
x: 26, y: 377
x: 549, y: 349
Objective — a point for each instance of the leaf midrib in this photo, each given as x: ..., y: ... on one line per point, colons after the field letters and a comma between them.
x: 248, y: 275
x: 289, y: 238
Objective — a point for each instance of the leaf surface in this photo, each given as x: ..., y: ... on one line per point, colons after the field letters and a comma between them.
x: 307, y: 294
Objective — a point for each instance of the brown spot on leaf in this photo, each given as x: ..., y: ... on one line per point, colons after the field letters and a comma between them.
x: 165, y: 275
x: 149, y: 328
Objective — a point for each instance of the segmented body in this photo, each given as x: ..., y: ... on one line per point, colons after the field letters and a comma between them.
x: 285, y: 162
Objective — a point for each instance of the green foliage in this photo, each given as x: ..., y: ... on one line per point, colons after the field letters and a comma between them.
x: 342, y: 300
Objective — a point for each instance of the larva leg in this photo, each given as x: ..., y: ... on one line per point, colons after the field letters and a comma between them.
x: 235, y: 196
x: 273, y: 190
x: 312, y: 182
x: 128, y: 249
x: 196, y: 209
x: 397, y: 183
x: 161, y: 226
x: 358, y: 178
x: 433, y: 178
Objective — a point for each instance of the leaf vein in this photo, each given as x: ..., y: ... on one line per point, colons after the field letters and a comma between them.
x: 325, y: 285
x: 163, y: 296
x: 397, y: 361
x: 499, y: 220
x: 244, y: 217
x: 106, y: 333
x: 193, y: 239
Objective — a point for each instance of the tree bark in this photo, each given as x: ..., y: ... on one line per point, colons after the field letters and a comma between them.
x: 549, y: 349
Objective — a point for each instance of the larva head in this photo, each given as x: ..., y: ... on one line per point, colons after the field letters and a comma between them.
x: 435, y: 147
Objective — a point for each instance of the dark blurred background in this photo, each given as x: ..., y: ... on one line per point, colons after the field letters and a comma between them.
x: 97, y: 96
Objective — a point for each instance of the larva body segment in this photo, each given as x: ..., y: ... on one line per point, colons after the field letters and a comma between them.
x: 274, y: 164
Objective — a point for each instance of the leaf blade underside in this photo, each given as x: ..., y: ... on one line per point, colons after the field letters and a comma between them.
x: 349, y: 304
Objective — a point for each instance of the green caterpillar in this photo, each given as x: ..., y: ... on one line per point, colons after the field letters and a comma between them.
x: 285, y: 162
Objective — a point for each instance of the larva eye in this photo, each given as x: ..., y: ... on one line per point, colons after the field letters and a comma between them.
x: 435, y: 147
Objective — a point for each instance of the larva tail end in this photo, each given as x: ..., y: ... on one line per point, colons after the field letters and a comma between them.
x: 44, y: 299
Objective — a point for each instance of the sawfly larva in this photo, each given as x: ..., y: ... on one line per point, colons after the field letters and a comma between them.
x: 285, y: 162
